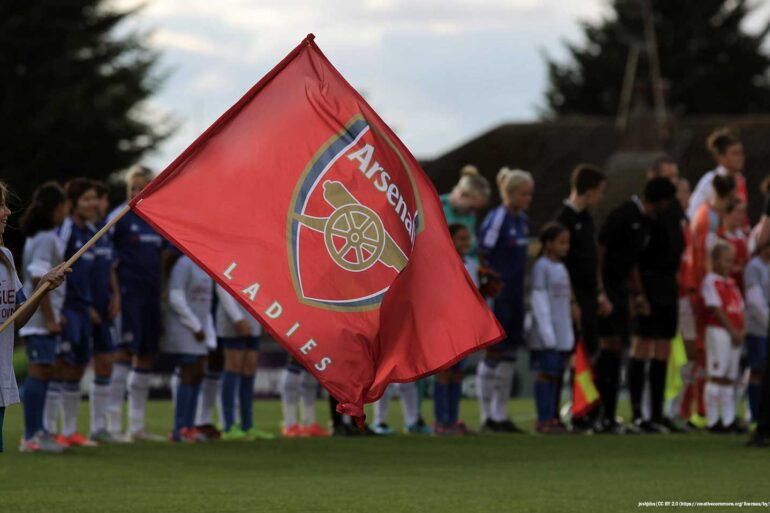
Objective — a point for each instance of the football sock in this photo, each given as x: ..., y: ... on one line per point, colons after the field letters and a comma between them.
x: 207, y: 401
x: 557, y: 393
x: 333, y: 413
x: 183, y: 393
x: 52, y: 407
x: 99, y: 402
x: 117, y: 395
x: 542, y: 396
x: 486, y: 382
x: 608, y: 381
x: 246, y: 394
x: 454, y: 394
x: 70, y: 399
x: 712, y: 399
x: 192, y: 405
x: 658, y: 370
x: 138, y: 392
x: 502, y: 392
x: 441, y: 402
x: 727, y: 402
x: 635, y: 378
x: 409, y: 402
x: 755, y: 392
x: 34, y: 402
x: 290, y: 385
x: 230, y: 381
x: 308, y: 390
x: 382, y: 407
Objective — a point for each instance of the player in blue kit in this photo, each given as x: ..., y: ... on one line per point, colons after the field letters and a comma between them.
x: 78, y: 310
x: 138, y: 250
x: 503, y: 244
x: 106, y: 297
x: 189, y: 334
x: 11, y: 297
x: 42, y: 251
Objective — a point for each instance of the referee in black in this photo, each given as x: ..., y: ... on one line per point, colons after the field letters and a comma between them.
x: 587, y: 185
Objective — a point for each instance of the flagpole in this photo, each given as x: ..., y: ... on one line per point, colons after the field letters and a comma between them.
x: 42, y: 289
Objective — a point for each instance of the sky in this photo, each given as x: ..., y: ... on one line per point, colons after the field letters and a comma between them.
x: 439, y: 72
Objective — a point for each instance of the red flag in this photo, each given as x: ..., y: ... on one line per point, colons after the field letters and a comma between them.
x: 303, y: 204
x: 585, y: 396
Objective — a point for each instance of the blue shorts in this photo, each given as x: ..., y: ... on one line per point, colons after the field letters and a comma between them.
x: 549, y: 361
x: 140, y: 327
x: 510, y: 315
x: 251, y: 343
x: 42, y: 348
x: 185, y: 359
x: 75, y: 345
x: 105, y: 335
x: 756, y: 352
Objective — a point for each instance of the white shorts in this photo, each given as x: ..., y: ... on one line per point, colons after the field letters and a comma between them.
x: 722, y: 358
x: 687, y: 319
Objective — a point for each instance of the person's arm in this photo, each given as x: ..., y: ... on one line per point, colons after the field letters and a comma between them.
x: 233, y: 312
x: 177, y: 300
x: 115, y: 301
x: 640, y: 302
x: 53, y: 278
x: 756, y: 305
x: 735, y: 335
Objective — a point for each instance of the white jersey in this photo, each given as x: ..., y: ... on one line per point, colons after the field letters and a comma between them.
x: 551, y: 307
x: 11, y: 295
x: 42, y: 251
x: 756, y: 281
x: 190, y: 295
x: 230, y: 311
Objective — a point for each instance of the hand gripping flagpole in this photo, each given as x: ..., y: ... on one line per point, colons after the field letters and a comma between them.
x: 43, y: 288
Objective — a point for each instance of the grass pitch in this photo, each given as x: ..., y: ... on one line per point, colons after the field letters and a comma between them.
x: 485, y: 473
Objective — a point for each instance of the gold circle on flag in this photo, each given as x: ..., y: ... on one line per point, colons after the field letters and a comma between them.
x: 354, y: 237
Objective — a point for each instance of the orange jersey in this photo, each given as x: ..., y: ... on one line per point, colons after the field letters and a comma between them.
x: 687, y: 282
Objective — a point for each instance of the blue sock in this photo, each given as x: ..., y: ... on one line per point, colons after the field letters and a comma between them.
x: 246, y: 396
x: 553, y: 390
x: 183, y: 393
x: 755, y: 392
x: 34, y: 400
x: 440, y: 402
x: 542, y: 400
x: 192, y: 406
x: 229, y: 384
x: 455, y: 393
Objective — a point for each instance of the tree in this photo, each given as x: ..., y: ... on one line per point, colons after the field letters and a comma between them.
x: 709, y: 63
x: 72, y: 92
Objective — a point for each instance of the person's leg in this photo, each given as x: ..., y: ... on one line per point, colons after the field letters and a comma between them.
x: 454, y: 394
x: 409, y: 403
x: 608, y: 375
x: 308, y: 392
x: 231, y: 378
x: 290, y: 393
x: 70, y: 398
x: 100, y: 392
x: 658, y: 371
x: 502, y: 393
x: 246, y: 392
x: 146, y: 345
x: 35, y: 387
x: 118, y: 386
x: 211, y: 389
x: 441, y: 399
x: 755, y: 350
x: 52, y: 406
x: 382, y: 408
x: 486, y: 383
x: 194, y: 378
x: 641, y: 351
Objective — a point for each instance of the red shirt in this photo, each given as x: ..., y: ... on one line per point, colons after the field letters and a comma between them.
x: 722, y: 292
x: 740, y: 243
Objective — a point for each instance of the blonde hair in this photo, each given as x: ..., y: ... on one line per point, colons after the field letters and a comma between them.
x: 142, y: 171
x: 472, y: 182
x: 4, y: 202
x: 508, y: 180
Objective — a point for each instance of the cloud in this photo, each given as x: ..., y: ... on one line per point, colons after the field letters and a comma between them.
x: 169, y: 39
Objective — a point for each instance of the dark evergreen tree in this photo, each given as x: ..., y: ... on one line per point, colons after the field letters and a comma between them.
x: 710, y: 64
x: 72, y: 92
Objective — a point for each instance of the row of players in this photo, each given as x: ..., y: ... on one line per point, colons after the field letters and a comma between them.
x: 656, y: 268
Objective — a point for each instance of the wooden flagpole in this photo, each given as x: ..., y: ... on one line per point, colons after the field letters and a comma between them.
x: 42, y: 289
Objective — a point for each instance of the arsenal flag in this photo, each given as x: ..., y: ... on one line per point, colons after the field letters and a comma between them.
x: 308, y: 209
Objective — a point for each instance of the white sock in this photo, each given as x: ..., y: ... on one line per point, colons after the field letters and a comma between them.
x: 70, y: 400
x: 486, y: 382
x: 382, y: 407
x: 409, y: 402
x: 52, y: 407
x: 308, y: 389
x: 207, y: 400
x: 99, y: 396
x: 117, y: 396
x: 502, y: 392
x: 712, y: 392
x: 727, y: 401
x: 138, y: 391
x: 290, y: 388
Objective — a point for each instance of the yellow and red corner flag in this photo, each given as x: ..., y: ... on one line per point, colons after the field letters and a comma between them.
x: 585, y: 396
x: 308, y: 209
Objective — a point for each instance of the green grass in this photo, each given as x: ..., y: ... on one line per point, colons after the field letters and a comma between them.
x: 485, y: 473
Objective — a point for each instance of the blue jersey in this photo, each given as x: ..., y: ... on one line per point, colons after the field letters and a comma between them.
x: 503, y: 242
x: 101, y: 289
x: 78, y: 293
x: 137, y: 249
